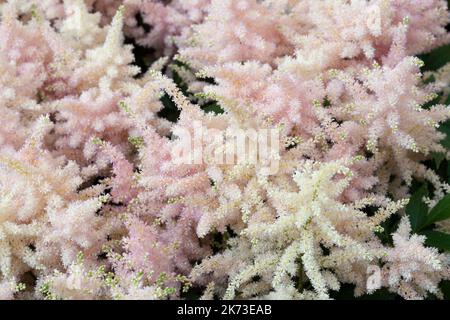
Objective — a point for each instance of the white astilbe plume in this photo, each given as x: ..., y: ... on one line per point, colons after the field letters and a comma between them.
x: 288, y: 241
x: 83, y: 283
x: 81, y: 27
x: 113, y: 56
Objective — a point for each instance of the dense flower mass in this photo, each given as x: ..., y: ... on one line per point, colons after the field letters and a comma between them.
x: 101, y: 98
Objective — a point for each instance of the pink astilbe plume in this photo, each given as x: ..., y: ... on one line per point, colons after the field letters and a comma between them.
x: 155, y: 24
x: 294, y: 107
x: 386, y: 116
x: 161, y: 227
x: 91, y: 114
x: 96, y: 86
x: 388, y: 104
x: 35, y: 228
x: 162, y: 211
x: 255, y: 36
x: 345, y: 32
x: 412, y: 270
x: 51, y: 9
x: 426, y: 23
x: 29, y: 61
x: 155, y: 15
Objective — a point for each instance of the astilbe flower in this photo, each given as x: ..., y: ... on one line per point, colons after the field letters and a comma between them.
x: 27, y: 56
x: 389, y: 102
x: 441, y: 79
x: 345, y: 32
x: 81, y: 27
x: 412, y: 269
x: 426, y: 19
x: 388, y: 122
x: 46, y: 220
x: 91, y: 114
x: 166, y: 21
x: 156, y: 24
x: 50, y: 216
x: 160, y: 240
x: 399, y: 105
x: 256, y: 35
x: 95, y: 87
x: 56, y: 10
x: 293, y: 107
x: 107, y: 8
x: 295, y: 225
x: 385, y: 106
x: 101, y: 195
x: 340, y: 31
x: 82, y: 283
x: 236, y: 99
x: 323, y: 34
x: 52, y: 9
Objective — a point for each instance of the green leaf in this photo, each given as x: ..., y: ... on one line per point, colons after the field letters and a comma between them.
x: 417, y: 210
x: 170, y: 110
x: 438, y: 157
x: 437, y: 239
x: 445, y: 128
x: 448, y: 172
x: 445, y: 288
x: 213, y: 108
x: 440, y: 212
x: 436, y: 58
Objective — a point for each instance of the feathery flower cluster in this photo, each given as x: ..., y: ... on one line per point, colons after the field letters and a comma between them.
x: 96, y: 204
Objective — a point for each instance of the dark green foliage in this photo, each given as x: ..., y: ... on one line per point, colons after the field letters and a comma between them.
x: 417, y: 210
x: 436, y: 58
x: 437, y: 239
